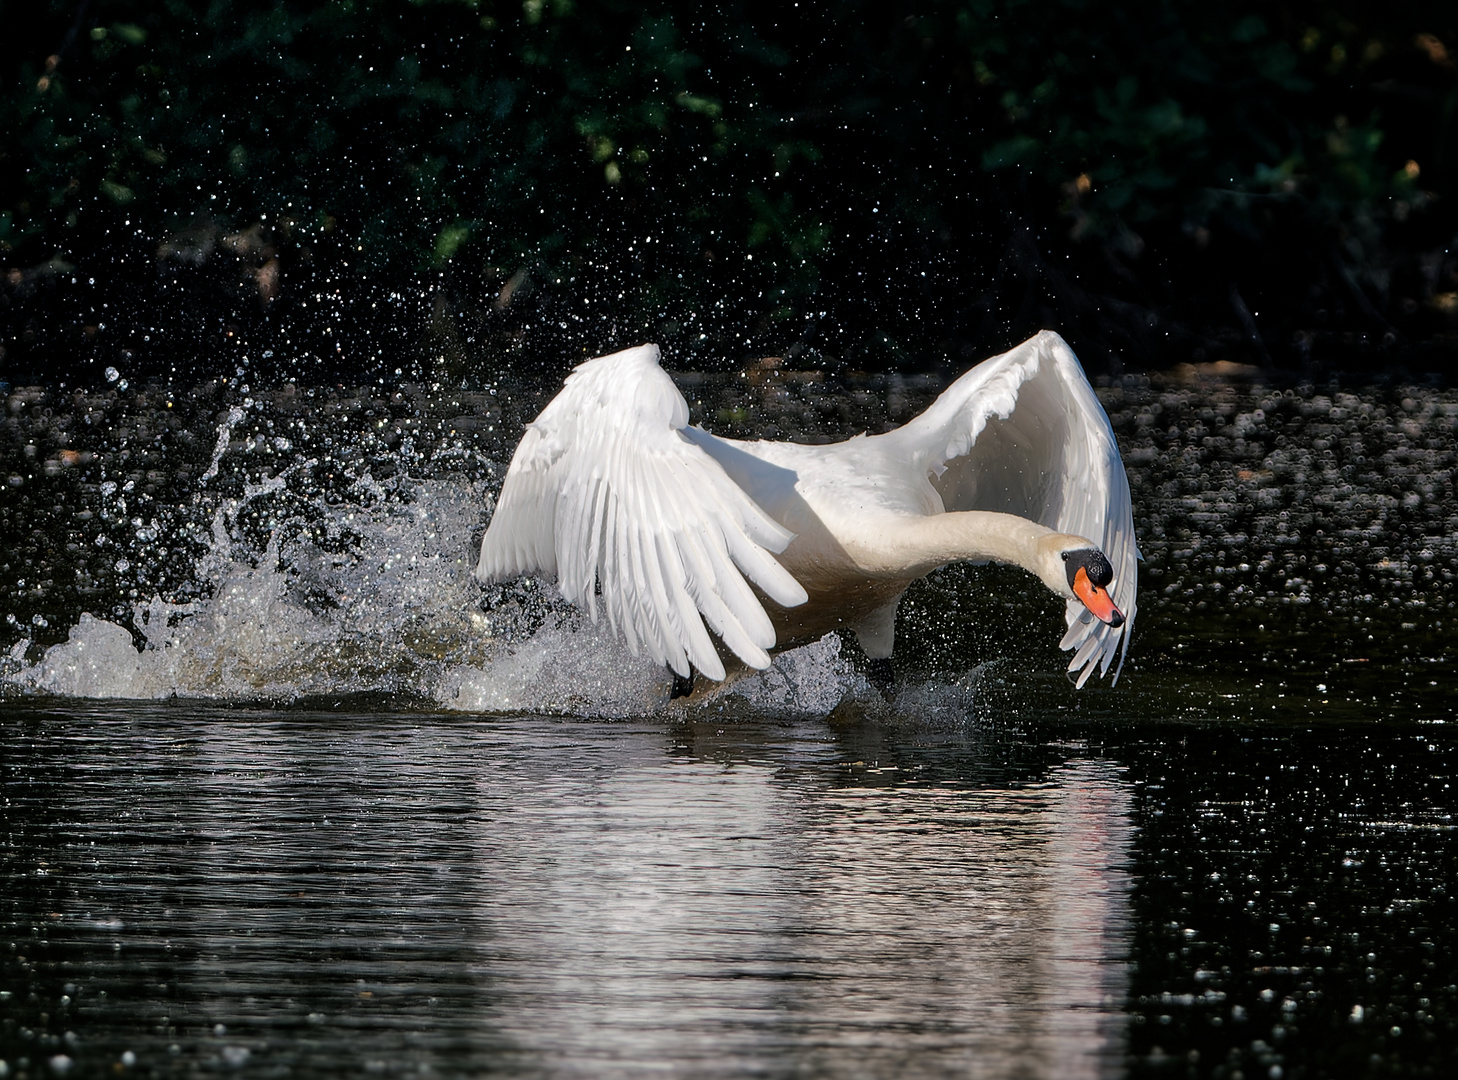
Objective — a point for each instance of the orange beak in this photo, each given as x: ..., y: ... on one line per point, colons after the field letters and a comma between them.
x: 1096, y: 599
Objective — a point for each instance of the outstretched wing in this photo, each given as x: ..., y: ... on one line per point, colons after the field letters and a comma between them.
x: 605, y: 490
x: 1023, y: 433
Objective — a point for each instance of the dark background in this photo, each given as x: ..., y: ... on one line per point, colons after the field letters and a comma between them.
x: 382, y: 190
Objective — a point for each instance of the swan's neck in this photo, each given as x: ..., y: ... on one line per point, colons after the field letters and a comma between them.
x: 918, y: 545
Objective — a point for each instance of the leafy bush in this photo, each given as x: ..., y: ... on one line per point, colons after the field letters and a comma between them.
x: 352, y: 188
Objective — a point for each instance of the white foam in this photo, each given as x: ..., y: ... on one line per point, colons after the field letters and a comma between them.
x: 810, y: 680
x: 388, y: 606
x: 568, y: 665
x: 98, y: 660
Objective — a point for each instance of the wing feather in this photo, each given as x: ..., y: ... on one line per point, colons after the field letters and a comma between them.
x: 1024, y: 433
x: 607, y: 494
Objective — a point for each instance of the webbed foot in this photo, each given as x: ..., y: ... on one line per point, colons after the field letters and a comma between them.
x: 683, y: 685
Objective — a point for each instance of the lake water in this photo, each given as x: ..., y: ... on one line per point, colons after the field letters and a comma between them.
x: 285, y: 793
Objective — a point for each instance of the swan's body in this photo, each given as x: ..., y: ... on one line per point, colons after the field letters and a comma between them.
x: 1015, y: 463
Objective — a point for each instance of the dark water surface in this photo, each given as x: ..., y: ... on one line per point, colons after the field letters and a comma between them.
x: 195, y: 890
x: 283, y: 792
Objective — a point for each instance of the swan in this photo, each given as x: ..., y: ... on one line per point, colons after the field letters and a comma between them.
x: 775, y: 543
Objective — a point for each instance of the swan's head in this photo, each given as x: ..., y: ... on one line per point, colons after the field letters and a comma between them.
x: 1089, y: 572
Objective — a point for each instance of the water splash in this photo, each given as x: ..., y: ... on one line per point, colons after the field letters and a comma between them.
x: 293, y: 620
x: 568, y: 665
x: 813, y: 679
x: 328, y: 572
x: 373, y: 595
x: 225, y: 432
x: 400, y: 616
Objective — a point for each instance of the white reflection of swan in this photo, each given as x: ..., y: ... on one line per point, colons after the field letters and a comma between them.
x: 1016, y: 462
x: 698, y: 919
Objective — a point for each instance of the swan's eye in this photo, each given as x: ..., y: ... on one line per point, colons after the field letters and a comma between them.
x: 1093, y: 562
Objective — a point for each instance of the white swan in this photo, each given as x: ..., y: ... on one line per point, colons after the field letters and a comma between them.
x: 1015, y: 462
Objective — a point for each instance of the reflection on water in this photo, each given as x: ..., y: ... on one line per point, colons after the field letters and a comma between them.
x: 307, y: 893
x: 402, y: 895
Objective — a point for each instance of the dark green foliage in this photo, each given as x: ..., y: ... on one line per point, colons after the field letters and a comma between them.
x: 359, y: 186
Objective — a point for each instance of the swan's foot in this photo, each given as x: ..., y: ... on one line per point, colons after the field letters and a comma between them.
x: 882, y: 676
x: 683, y: 685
